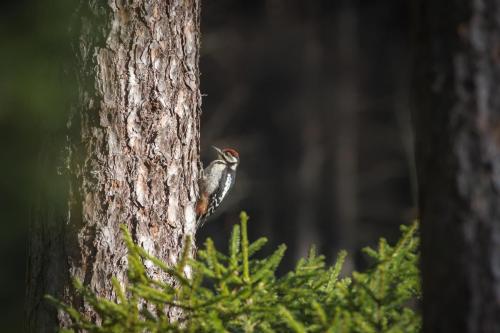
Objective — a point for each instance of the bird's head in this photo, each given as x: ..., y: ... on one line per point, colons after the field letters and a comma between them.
x: 228, y: 155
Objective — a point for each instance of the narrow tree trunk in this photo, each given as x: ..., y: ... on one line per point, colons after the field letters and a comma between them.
x: 458, y: 150
x: 132, y: 156
x: 345, y: 140
x: 308, y: 178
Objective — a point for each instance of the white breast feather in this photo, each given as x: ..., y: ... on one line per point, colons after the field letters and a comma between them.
x: 214, y: 169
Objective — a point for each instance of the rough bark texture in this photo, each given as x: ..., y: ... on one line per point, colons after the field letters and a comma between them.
x: 133, y: 153
x: 458, y: 158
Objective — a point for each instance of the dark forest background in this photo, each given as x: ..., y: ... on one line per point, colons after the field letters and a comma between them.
x: 313, y: 94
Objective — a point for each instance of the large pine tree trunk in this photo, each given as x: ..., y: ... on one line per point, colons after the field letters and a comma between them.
x: 132, y: 155
x: 458, y: 159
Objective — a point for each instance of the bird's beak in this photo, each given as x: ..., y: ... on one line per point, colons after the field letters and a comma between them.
x: 218, y: 150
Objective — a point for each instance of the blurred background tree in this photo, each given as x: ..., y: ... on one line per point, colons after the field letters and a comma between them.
x: 33, y: 103
x: 457, y: 121
x: 314, y: 95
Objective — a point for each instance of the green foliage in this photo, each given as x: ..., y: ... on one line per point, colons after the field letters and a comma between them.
x: 240, y: 293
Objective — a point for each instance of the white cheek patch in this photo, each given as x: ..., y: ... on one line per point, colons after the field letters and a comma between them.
x: 227, y: 185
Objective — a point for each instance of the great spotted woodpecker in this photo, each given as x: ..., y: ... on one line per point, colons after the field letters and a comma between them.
x: 215, y: 182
